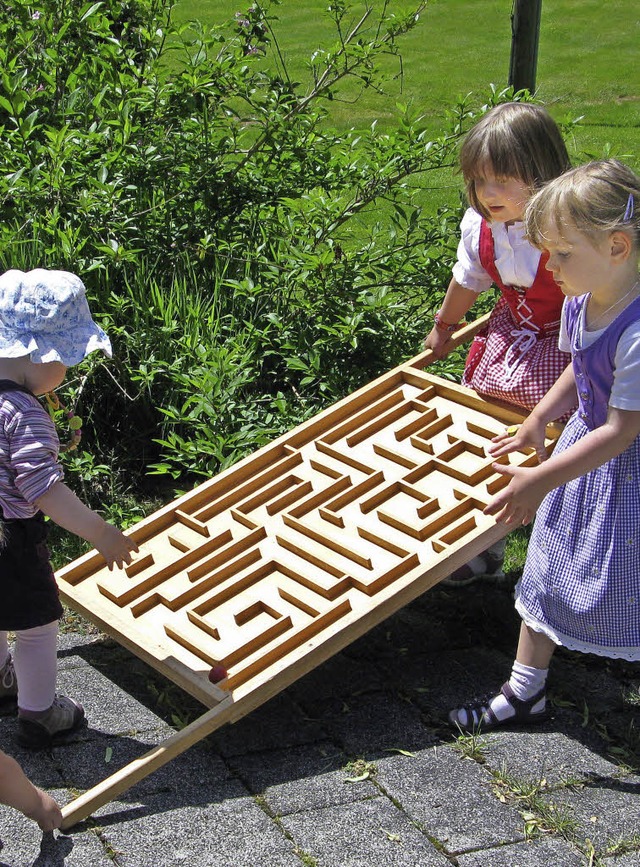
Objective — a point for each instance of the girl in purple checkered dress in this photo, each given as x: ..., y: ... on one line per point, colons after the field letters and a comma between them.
x: 580, y: 587
x: 509, y: 154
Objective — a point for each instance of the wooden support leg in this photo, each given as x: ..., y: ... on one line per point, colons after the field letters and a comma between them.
x: 108, y: 789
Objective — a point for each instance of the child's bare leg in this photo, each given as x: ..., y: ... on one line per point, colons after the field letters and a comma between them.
x: 523, y: 698
x: 18, y: 792
x: 534, y: 648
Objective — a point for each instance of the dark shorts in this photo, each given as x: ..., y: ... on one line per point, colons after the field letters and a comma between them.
x: 28, y: 589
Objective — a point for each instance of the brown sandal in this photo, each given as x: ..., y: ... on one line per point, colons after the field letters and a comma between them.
x: 480, y: 716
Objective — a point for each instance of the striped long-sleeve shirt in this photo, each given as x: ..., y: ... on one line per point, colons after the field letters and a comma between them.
x: 29, y: 449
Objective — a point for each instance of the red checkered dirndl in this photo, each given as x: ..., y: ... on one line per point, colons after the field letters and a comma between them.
x: 512, y: 363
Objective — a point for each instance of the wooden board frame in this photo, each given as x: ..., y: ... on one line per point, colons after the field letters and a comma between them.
x: 279, y: 562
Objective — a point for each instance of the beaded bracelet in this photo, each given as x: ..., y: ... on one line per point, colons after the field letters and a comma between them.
x: 445, y: 326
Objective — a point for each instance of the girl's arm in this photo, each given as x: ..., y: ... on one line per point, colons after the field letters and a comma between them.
x: 67, y: 510
x: 518, y: 502
x: 457, y: 302
x: 18, y: 792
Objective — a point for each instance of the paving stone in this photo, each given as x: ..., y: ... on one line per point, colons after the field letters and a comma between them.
x: 270, y: 788
x: 232, y: 833
x: 535, y: 853
x: 542, y: 753
x: 69, y: 643
x: 340, y: 678
x: 586, y: 682
x: 406, y: 630
x: 468, y: 617
x: 39, y: 766
x: 276, y: 724
x: 303, y: 778
x: 108, y: 707
x: 456, y: 678
x: 450, y: 798
x: 362, y: 834
x: 629, y: 859
x: 607, y: 811
x: 126, y: 673
x: 374, y: 723
x: 197, y: 774
x: 22, y: 844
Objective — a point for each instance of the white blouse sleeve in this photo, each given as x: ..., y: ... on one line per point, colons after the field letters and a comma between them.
x: 624, y: 391
x: 468, y: 271
x: 564, y: 343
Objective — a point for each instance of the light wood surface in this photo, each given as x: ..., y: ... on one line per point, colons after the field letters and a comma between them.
x: 279, y: 562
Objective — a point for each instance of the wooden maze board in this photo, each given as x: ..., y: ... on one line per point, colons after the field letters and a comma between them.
x: 280, y: 561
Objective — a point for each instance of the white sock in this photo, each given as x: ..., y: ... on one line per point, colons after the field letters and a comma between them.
x: 525, y: 682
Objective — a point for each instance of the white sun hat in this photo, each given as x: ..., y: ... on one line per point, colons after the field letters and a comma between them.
x: 44, y: 314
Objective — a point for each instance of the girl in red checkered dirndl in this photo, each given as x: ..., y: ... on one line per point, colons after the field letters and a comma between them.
x: 510, y: 153
x: 515, y: 149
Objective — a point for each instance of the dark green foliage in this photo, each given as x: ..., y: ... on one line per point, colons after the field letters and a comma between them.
x: 251, y: 264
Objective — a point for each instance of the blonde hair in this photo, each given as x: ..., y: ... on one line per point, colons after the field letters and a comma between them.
x: 515, y: 140
x: 601, y: 196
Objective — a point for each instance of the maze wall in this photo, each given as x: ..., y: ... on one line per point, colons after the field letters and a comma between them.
x: 303, y: 546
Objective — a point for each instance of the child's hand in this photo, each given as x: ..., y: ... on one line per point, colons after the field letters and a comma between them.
x: 47, y: 813
x: 530, y: 434
x: 439, y: 342
x: 66, y: 509
x: 519, y: 501
x: 114, y: 546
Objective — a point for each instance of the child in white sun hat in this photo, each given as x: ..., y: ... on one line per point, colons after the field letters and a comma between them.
x: 45, y: 327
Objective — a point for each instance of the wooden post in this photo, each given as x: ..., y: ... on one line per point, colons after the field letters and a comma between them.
x: 525, y: 32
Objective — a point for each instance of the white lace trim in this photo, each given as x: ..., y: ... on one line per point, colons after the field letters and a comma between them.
x: 631, y: 654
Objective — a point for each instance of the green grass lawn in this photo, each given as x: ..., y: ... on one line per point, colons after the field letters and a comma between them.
x: 587, y: 67
x: 587, y: 62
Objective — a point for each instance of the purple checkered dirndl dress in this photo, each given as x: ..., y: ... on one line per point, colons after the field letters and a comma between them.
x: 581, y: 582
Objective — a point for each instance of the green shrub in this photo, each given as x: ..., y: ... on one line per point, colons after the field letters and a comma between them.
x: 251, y: 264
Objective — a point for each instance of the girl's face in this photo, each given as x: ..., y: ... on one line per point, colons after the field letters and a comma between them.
x: 504, y: 199
x: 579, y: 264
x: 38, y: 378
x: 41, y: 378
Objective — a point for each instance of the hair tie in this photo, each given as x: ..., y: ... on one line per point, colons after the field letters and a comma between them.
x: 629, y: 210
